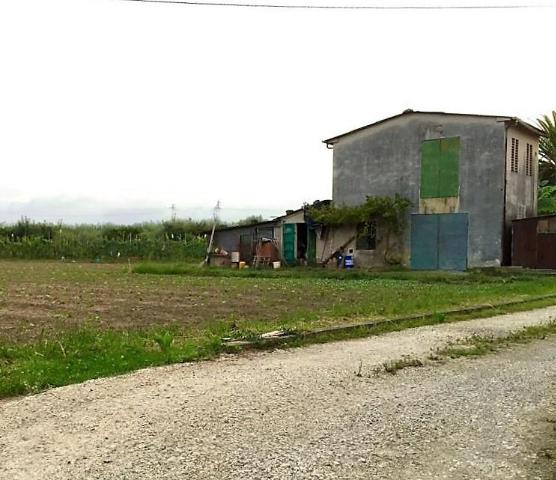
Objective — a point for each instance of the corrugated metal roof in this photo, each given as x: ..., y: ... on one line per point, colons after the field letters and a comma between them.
x: 251, y: 225
x: 501, y: 118
x: 538, y: 217
x: 259, y: 224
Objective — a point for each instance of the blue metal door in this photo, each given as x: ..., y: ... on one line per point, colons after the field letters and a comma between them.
x: 439, y: 241
x: 452, y: 241
x: 424, y: 242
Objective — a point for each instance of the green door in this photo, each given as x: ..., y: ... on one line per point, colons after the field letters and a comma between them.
x: 288, y: 243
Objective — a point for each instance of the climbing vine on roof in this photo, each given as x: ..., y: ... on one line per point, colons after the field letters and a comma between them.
x: 391, y: 211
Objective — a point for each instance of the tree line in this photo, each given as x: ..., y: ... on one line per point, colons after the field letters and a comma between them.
x: 547, y: 164
x: 177, y: 239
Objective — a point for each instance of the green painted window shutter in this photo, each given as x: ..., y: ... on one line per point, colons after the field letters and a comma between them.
x: 448, y: 178
x: 440, y: 168
x: 430, y: 155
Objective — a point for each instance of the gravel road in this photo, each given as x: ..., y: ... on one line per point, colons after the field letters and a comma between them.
x: 302, y: 414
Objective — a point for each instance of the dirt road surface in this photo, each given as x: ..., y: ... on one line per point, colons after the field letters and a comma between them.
x: 302, y: 414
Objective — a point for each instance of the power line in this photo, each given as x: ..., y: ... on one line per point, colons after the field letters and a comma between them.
x: 346, y: 7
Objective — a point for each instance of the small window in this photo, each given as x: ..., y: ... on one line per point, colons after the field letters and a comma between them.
x: 264, y: 232
x: 366, y: 236
x: 514, y: 156
x: 529, y: 160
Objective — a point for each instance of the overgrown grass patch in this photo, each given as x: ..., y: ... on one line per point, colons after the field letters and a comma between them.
x: 84, y: 354
x: 478, y: 345
x: 473, y: 346
x: 403, y: 323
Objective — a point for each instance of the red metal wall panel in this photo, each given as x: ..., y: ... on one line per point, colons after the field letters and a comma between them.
x: 546, y: 250
x: 524, y: 243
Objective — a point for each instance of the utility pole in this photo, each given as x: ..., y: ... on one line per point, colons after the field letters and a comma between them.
x: 214, y: 221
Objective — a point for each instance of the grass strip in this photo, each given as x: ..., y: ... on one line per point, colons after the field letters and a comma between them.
x: 473, y: 346
x: 83, y: 354
x: 478, y: 345
x: 378, y: 327
x: 472, y: 276
x: 87, y: 353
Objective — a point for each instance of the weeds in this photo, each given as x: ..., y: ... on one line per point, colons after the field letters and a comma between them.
x: 393, y: 366
x: 439, y: 317
x: 473, y: 346
x: 164, y: 340
x: 478, y: 345
x: 84, y: 354
x: 358, y: 373
x: 88, y: 353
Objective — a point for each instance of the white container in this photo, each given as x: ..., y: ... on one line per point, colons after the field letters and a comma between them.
x: 235, y: 257
x: 276, y: 264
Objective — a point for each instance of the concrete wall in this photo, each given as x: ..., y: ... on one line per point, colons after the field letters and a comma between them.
x: 295, y: 217
x: 385, y: 159
x: 388, y: 250
x: 331, y: 239
x: 228, y: 239
x: 521, y: 189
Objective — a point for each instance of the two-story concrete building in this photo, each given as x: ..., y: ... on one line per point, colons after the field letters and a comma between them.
x: 467, y: 177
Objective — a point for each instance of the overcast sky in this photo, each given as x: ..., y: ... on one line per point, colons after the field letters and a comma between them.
x: 113, y: 110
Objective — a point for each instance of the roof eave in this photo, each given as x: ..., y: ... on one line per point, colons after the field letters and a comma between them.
x: 330, y: 142
x: 334, y: 140
x: 527, y: 126
x: 272, y: 221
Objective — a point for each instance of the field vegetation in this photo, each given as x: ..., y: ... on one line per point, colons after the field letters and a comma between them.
x: 176, y: 240
x: 65, y: 322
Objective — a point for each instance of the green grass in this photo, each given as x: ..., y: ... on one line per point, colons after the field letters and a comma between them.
x: 478, y: 345
x: 472, y: 276
x: 176, y: 240
x: 55, y: 295
x: 47, y: 337
x: 87, y: 353
x: 84, y: 354
x: 396, y: 325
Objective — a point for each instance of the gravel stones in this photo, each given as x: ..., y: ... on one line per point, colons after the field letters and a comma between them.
x: 301, y: 414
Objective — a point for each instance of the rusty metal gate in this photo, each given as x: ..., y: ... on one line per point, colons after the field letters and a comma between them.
x: 534, y: 242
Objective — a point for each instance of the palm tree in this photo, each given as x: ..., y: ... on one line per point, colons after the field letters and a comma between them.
x: 547, y: 147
